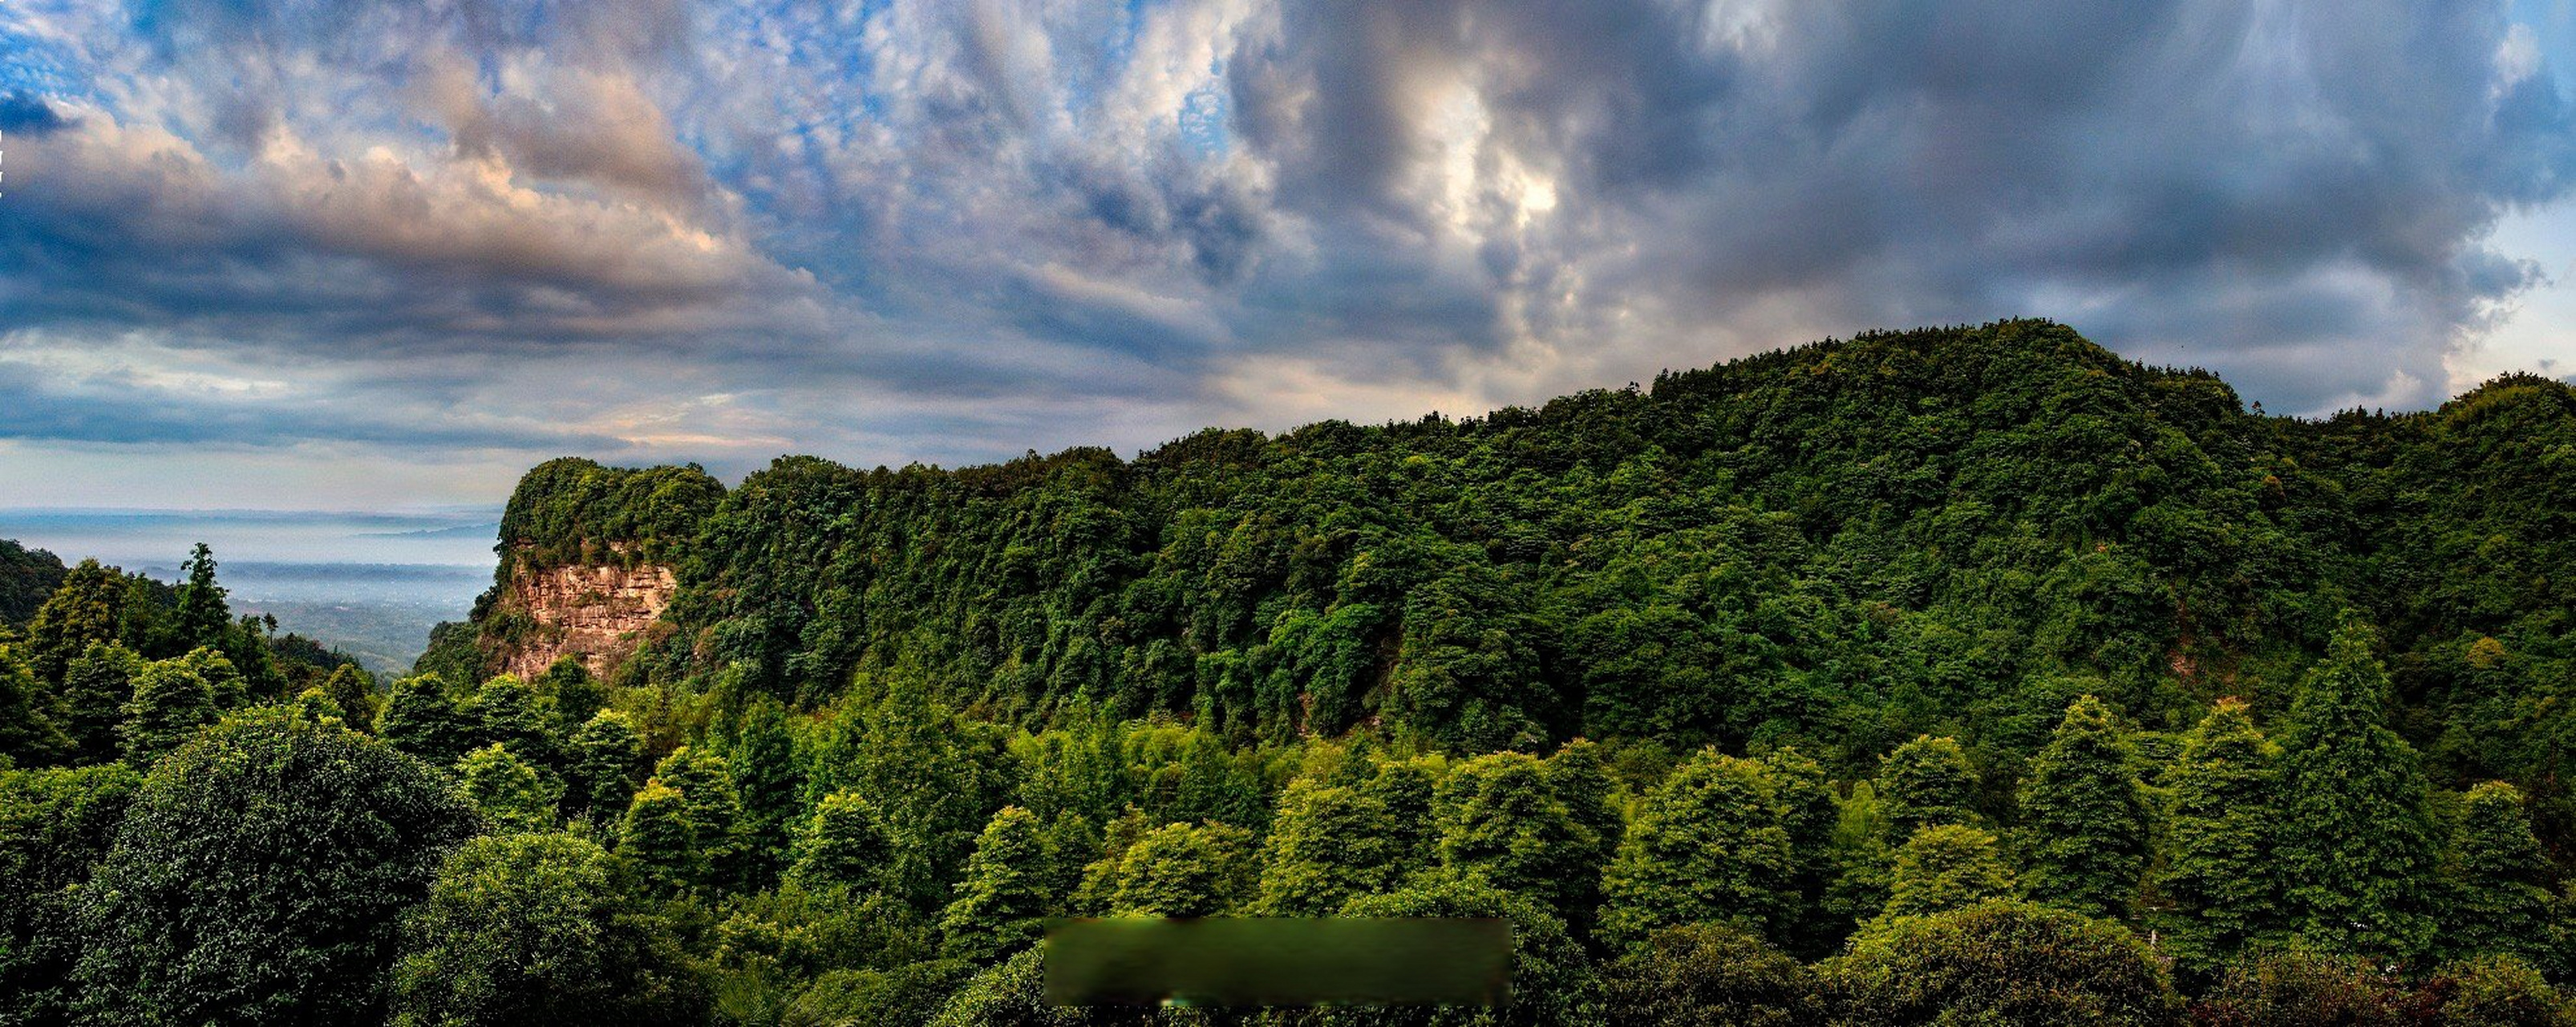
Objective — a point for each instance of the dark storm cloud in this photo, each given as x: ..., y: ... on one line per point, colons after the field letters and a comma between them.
x: 1134, y: 215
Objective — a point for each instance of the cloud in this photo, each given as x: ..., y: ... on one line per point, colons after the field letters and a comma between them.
x: 956, y: 230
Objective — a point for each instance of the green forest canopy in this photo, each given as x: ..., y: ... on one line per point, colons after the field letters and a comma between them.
x: 1955, y: 672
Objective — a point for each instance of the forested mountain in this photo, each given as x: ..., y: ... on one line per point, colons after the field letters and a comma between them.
x: 1968, y: 672
x: 27, y: 576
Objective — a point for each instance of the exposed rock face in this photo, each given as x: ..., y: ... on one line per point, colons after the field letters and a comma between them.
x: 598, y: 612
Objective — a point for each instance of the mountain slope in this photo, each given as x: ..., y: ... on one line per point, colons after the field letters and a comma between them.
x: 1845, y: 544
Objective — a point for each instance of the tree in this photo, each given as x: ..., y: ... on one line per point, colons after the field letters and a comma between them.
x: 657, y: 839
x: 1708, y: 845
x: 1328, y: 844
x: 2297, y: 986
x: 606, y: 761
x: 2220, y: 873
x: 2501, y: 991
x: 86, y: 609
x: 1581, y: 781
x: 511, y: 713
x: 319, y: 838
x: 1946, y: 866
x: 540, y: 928
x: 1709, y: 975
x: 1809, y: 812
x: 54, y: 827
x: 420, y: 718
x: 2083, y: 828
x: 353, y: 690
x: 1862, y: 863
x: 766, y: 773
x: 224, y: 682
x: 315, y: 704
x: 999, y: 903
x: 1186, y: 870
x: 27, y: 730
x: 1925, y: 782
x: 2498, y: 902
x: 843, y: 844
x: 576, y: 695
x: 1408, y: 789
x: 900, y: 997
x: 170, y: 703
x: 203, y: 615
x: 2356, y: 849
x: 1499, y: 818
x: 935, y: 780
x: 705, y: 780
x: 2000, y: 962
x: 511, y: 794
x: 95, y: 689
x: 1551, y: 981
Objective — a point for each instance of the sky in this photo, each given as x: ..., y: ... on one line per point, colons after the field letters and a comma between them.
x: 345, y: 255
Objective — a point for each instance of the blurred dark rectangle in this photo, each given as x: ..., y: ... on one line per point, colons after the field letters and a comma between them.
x: 1279, y: 961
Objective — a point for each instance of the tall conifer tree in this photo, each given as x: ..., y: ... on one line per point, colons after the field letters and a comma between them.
x: 2221, y: 872
x: 203, y: 614
x: 705, y: 780
x: 2356, y: 845
x: 605, y: 761
x: 1708, y: 845
x: 1500, y: 818
x: 1002, y: 897
x: 2083, y: 829
x: 843, y: 844
x: 771, y: 783
x: 2497, y: 879
x: 93, y: 697
x: 657, y: 839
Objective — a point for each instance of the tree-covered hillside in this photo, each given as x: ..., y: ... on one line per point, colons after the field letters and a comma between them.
x: 1963, y: 675
x: 1844, y: 545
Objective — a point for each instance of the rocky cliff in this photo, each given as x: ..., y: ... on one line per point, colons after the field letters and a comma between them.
x: 597, y: 612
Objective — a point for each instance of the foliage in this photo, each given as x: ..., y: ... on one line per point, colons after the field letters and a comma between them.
x: 95, y: 688
x: 1708, y: 845
x: 2498, y: 899
x: 1001, y: 899
x: 1329, y: 843
x: 2301, y: 987
x: 54, y: 824
x: 2221, y: 871
x: 509, y: 792
x: 1708, y: 975
x: 171, y: 701
x: 27, y: 578
x: 843, y: 844
x: 771, y: 786
x: 605, y: 763
x: 1501, y: 820
x: 2000, y: 962
x: 2356, y: 846
x: 318, y: 836
x: 420, y: 717
x: 2084, y: 816
x: 658, y: 839
x: 1944, y: 867
x: 539, y: 928
x: 1186, y: 870
x: 1927, y: 782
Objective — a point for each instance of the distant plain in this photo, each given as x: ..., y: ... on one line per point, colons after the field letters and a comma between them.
x: 370, y: 583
